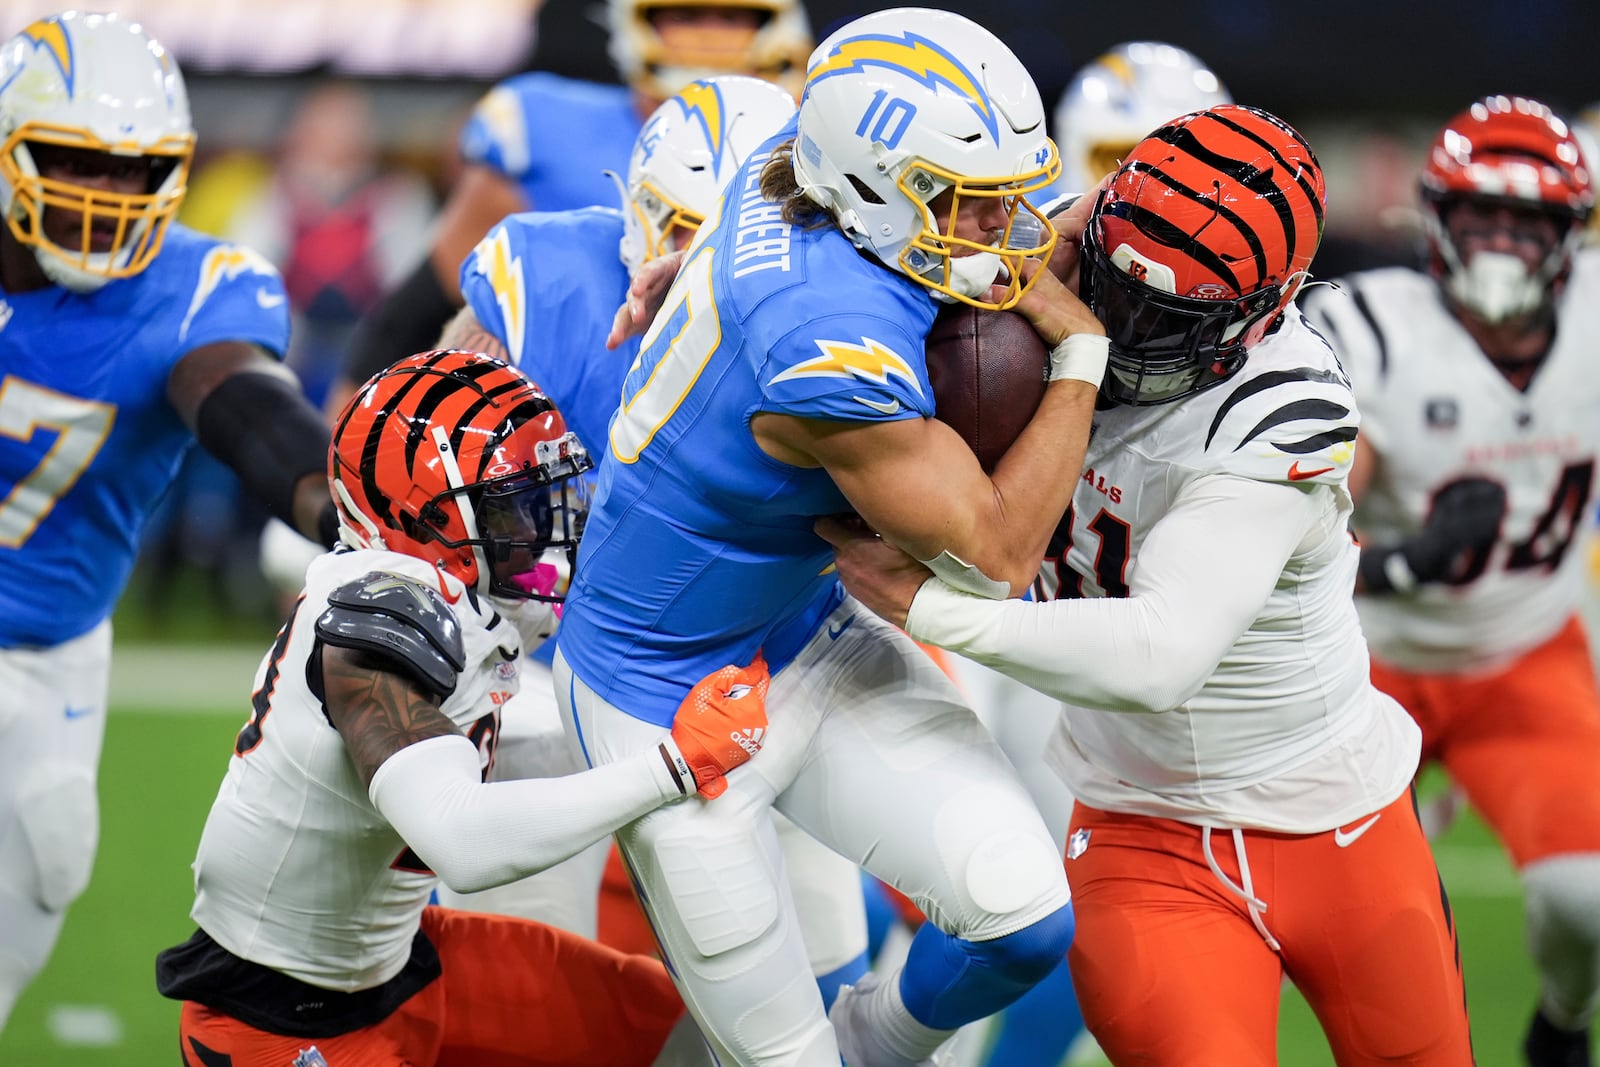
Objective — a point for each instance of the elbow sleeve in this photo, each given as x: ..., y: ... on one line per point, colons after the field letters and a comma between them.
x: 263, y: 427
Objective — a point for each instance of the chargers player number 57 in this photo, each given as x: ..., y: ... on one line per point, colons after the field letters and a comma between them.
x: 81, y: 427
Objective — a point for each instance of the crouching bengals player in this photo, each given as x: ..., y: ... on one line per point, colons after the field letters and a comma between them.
x: 360, y: 771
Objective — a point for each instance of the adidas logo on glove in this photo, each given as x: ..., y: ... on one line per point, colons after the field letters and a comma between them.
x: 749, y: 739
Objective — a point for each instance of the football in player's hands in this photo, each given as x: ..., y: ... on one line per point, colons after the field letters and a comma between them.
x: 987, y: 369
x: 720, y: 725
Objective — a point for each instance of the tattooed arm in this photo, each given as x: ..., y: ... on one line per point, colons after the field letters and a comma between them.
x: 466, y: 332
x: 377, y: 712
x: 425, y: 777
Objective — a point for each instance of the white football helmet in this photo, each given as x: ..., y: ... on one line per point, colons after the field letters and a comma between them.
x: 904, y: 104
x: 1111, y: 104
x: 776, y: 52
x: 95, y: 82
x: 688, y: 150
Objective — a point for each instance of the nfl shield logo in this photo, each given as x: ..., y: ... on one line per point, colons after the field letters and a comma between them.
x: 309, y: 1057
x: 1077, y: 844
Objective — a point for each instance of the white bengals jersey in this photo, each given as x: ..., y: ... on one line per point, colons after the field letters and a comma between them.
x: 297, y: 871
x: 1270, y: 738
x: 1435, y: 409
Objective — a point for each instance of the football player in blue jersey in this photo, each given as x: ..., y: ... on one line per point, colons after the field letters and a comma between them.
x: 123, y: 339
x: 543, y: 286
x: 784, y: 379
x: 539, y: 141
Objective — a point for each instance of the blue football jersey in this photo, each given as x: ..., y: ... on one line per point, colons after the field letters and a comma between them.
x: 547, y: 285
x: 88, y: 440
x: 700, y: 548
x: 555, y: 137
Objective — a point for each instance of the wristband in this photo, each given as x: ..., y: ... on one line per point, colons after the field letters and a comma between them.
x: 1081, y: 357
x: 678, y: 767
x: 1385, y: 570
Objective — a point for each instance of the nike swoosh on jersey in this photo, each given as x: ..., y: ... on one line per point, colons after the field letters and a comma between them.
x: 78, y: 713
x: 835, y: 631
x: 268, y: 300
x: 444, y: 588
x: 1298, y: 475
x: 891, y: 408
x: 1345, y: 840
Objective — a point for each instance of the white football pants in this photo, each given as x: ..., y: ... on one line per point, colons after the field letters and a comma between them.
x: 532, y: 744
x: 52, y: 724
x: 872, y: 752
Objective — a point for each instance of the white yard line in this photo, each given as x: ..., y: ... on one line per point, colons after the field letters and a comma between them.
x: 185, y: 679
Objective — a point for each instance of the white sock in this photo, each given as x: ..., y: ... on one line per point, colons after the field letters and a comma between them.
x: 1563, y: 906
x: 894, y: 1025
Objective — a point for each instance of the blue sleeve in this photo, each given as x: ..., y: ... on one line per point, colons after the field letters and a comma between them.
x: 236, y: 296
x: 848, y: 368
x: 496, y: 133
x: 492, y: 281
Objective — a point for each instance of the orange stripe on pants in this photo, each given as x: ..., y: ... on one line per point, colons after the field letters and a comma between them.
x: 1171, y: 972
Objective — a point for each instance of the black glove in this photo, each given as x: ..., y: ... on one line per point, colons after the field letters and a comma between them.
x: 1465, y: 518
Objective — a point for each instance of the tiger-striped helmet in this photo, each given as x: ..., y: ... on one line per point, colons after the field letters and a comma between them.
x: 1506, y: 151
x: 1196, y: 246
x: 458, y: 459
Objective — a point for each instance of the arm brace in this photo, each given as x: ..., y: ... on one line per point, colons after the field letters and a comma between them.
x: 263, y: 427
x: 408, y: 320
x: 477, y: 834
x: 1154, y: 649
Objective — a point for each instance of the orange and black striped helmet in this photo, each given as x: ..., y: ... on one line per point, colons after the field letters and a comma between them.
x: 458, y: 459
x: 1195, y: 246
x: 1514, y: 153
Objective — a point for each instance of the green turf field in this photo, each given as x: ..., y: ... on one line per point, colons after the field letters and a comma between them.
x: 96, y: 1003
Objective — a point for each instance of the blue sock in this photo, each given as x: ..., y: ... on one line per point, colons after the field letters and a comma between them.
x: 849, y: 974
x: 949, y: 982
x: 1038, y: 1029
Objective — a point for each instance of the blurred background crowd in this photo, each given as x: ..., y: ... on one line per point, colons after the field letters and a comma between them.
x: 328, y: 130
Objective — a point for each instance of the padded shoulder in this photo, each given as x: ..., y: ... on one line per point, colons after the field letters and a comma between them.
x: 404, y: 621
x: 1290, y: 422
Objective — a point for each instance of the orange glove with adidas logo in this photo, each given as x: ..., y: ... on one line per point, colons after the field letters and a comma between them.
x: 719, y: 726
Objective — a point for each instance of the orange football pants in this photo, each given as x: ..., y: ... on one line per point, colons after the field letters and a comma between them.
x: 1522, y: 743
x: 513, y: 993
x: 1171, y: 971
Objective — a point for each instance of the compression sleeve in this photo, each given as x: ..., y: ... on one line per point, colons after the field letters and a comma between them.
x: 263, y: 427
x: 1155, y: 648
x: 477, y: 834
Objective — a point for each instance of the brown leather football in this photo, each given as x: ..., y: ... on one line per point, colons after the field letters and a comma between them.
x: 987, y: 369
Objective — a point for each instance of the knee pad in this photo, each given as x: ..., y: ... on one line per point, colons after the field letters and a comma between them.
x: 47, y: 852
x: 1010, y: 876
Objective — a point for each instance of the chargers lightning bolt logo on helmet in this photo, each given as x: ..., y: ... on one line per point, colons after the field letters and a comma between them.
x: 702, y: 100
x: 914, y: 56
x: 50, y: 35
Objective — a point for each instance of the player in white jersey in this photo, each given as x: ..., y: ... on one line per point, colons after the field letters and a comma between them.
x: 1475, y: 473
x: 360, y: 772
x: 1240, y: 783
x: 1107, y: 108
